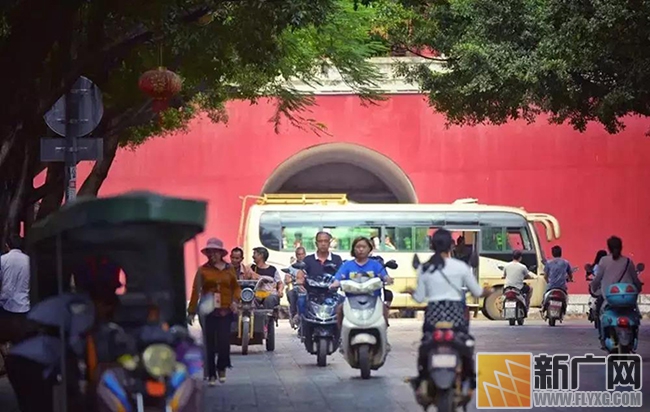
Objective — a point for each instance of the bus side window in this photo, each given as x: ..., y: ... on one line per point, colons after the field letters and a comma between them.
x: 517, y: 240
x: 304, y: 236
x: 345, y: 235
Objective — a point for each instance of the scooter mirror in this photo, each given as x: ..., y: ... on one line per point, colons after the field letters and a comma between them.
x: 329, y: 268
x: 391, y: 264
x: 299, y: 265
x: 640, y: 267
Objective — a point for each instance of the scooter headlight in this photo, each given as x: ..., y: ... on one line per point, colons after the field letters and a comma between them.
x: 159, y: 360
x: 247, y: 295
x: 364, y: 314
x: 322, y: 311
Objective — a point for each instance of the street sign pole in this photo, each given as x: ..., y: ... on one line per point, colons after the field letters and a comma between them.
x: 71, y: 115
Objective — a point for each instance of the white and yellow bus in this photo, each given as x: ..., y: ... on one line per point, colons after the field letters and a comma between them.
x: 281, y: 222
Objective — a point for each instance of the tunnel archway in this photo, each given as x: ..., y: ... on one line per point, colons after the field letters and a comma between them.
x: 365, y: 175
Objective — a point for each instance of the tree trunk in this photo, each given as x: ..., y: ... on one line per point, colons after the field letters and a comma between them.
x: 54, y: 182
x: 14, y: 215
x: 93, y: 182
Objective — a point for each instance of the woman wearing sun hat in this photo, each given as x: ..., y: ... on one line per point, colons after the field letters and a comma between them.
x: 215, y: 293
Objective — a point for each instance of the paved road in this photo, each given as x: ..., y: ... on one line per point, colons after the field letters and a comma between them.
x: 289, y: 380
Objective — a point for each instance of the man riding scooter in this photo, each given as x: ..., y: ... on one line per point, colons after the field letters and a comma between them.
x: 557, y: 272
x: 515, y: 273
x: 289, y: 278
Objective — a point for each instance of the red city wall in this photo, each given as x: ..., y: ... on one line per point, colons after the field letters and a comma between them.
x: 594, y: 183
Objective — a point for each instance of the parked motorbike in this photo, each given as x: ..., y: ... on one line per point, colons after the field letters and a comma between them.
x: 555, y: 303
x: 318, y: 325
x: 514, y: 306
x: 447, y: 386
x: 620, y: 318
x: 363, y: 333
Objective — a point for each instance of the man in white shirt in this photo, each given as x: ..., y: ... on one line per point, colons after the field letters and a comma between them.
x: 515, y: 273
x: 14, y: 290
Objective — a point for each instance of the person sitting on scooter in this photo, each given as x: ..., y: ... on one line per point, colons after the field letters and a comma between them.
x: 515, y: 273
x: 591, y: 272
x: 315, y: 264
x: 274, y: 286
x: 440, y: 283
x: 613, y: 268
x: 557, y: 271
x: 292, y: 295
x: 361, y: 265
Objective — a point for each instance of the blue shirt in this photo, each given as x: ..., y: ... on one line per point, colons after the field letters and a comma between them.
x: 557, y: 271
x: 351, y: 270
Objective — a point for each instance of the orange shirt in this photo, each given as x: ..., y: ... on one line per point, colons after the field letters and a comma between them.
x: 209, y: 279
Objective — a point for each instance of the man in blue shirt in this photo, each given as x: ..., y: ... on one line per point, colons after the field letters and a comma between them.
x: 557, y: 271
x: 315, y: 265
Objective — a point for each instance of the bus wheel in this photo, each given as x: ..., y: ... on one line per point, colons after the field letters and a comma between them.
x: 492, y: 306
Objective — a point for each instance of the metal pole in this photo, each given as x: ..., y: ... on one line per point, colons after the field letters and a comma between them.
x: 71, y: 118
x: 63, y: 401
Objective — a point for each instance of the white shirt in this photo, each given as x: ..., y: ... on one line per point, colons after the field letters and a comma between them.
x: 515, y: 273
x: 432, y: 286
x: 14, y: 281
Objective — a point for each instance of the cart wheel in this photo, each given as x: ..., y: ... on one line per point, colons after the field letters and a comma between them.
x: 270, y: 336
x: 245, y: 337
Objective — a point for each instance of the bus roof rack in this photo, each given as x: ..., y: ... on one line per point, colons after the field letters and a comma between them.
x: 303, y: 198
x: 466, y: 201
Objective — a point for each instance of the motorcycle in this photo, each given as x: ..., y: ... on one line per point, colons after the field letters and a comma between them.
x: 318, y: 325
x: 447, y: 386
x: 363, y: 333
x: 161, y: 374
x: 620, y: 318
x: 514, y: 306
x: 555, y: 302
x: 255, y: 325
x: 592, y: 313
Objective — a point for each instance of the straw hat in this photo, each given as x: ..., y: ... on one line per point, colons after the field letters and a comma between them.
x: 215, y: 244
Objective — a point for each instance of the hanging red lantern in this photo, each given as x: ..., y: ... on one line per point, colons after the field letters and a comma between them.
x: 161, y: 85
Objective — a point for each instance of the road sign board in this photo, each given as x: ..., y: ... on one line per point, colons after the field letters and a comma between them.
x: 54, y: 149
x: 90, y: 109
